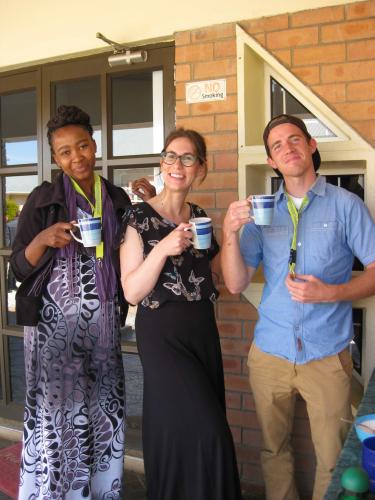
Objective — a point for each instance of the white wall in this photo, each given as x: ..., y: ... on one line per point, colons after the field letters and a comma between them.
x: 32, y: 30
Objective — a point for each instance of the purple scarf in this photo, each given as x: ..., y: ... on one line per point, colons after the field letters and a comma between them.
x: 106, y: 281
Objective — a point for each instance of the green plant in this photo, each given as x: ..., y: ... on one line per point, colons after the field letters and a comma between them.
x: 11, y: 209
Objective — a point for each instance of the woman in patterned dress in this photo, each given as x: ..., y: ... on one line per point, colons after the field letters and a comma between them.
x: 187, y: 444
x: 73, y: 445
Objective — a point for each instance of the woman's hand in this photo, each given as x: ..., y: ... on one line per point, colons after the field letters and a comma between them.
x: 177, y: 241
x: 56, y: 236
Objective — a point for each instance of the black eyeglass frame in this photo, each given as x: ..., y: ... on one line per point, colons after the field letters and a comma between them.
x: 164, y: 156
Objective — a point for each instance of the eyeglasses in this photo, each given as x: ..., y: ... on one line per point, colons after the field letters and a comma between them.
x: 186, y: 159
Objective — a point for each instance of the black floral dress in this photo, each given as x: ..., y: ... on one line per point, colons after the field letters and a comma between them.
x: 188, y: 447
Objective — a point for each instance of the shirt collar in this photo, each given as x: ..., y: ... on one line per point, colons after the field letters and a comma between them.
x: 318, y: 188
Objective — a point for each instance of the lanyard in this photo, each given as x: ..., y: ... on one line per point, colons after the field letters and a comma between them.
x: 96, y: 209
x: 294, y: 214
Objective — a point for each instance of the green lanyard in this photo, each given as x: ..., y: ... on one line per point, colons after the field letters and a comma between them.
x: 294, y: 214
x: 96, y: 209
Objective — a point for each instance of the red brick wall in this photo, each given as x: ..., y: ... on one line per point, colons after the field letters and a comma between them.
x: 332, y: 50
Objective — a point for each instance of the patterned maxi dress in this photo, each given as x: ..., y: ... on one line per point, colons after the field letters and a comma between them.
x: 74, y: 415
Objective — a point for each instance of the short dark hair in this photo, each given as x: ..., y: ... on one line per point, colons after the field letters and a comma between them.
x: 196, y: 139
x: 68, y: 115
x: 294, y: 120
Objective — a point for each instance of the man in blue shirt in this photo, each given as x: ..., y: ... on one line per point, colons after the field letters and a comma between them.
x: 305, y: 317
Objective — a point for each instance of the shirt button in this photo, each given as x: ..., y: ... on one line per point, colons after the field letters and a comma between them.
x: 299, y: 244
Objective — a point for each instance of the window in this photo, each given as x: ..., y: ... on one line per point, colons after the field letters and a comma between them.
x: 132, y: 110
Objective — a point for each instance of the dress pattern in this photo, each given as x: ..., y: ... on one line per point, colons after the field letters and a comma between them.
x: 74, y: 416
x: 185, y: 277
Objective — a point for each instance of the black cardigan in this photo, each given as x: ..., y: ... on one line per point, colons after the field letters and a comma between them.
x: 44, y: 207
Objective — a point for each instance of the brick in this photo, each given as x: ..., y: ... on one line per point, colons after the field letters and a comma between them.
x: 241, y: 418
x: 348, y: 72
x: 361, y: 50
x: 225, y: 295
x: 226, y: 122
x: 249, y: 326
x: 248, y: 402
x: 261, y: 39
x: 202, y: 124
x: 182, y: 38
x: 236, y: 383
x: 215, y: 69
x: 274, y: 23
x: 229, y: 329
x: 320, y: 54
x: 219, y: 142
x: 366, y: 129
x: 317, y: 16
x: 234, y: 347
x: 360, y: 9
x: 232, y: 85
x: 214, y: 32
x: 237, y: 434
x: 225, y: 198
x: 205, y: 200
x: 292, y: 38
x: 225, y: 48
x: 361, y: 91
x: 226, y: 161
x: 308, y: 74
x: 232, y: 365
x: 204, y: 108
x: 253, y: 474
x: 237, y: 311
x: 284, y: 56
x: 219, y: 180
x: 353, y: 30
x: 180, y: 91
x: 252, y: 437
x: 335, y: 92
x: 182, y: 109
x: 357, y: 111
x: 183, y: 72
x: 194, y: 53
x: 247, y: 453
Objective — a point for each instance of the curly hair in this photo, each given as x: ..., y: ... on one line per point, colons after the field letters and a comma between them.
x: 68, y: 115
x: 197, y: 141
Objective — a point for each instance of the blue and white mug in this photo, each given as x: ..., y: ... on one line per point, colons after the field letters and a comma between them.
x: 201, y: 227
x: 262, y: 209
x: 91, y: 231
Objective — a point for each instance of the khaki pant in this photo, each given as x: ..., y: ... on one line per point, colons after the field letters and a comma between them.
x: 325, y: 386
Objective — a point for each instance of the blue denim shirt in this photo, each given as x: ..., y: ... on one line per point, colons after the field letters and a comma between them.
x: 334, y: 227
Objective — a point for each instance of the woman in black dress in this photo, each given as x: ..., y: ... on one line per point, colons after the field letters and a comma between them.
x: 188, y: 447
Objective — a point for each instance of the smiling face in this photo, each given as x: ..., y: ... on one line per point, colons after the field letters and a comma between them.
x: 291, y: 151
x: 177, y: 176
x: 74, y: 152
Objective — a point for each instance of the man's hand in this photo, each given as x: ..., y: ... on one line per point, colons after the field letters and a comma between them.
x: 309, y: 289
x: 237, y: 215
x: 143, y: 188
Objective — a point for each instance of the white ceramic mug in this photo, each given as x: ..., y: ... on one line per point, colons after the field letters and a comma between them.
x: 91, y: 231
x: 262, y: 208
x: 201, y: 227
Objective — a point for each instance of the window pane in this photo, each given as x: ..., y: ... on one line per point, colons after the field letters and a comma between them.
x: 17, y: 369
x: 137, y: 111
x: 125, y: 177
x: 86, y: 95
x: 283, y: 101
x: 17, y: 189
x: 18, y: 128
